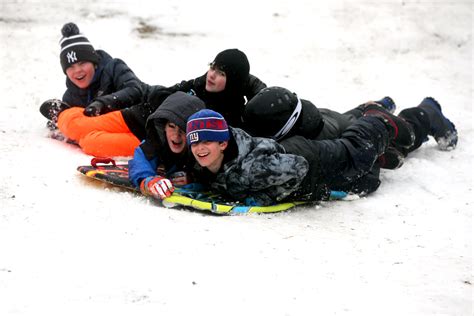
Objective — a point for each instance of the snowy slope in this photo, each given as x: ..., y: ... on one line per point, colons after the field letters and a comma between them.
x: 69, y: 246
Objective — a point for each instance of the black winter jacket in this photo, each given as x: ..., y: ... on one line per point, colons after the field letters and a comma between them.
x: 114, y: 84
x: 346, y: 164
x: 229, y: 103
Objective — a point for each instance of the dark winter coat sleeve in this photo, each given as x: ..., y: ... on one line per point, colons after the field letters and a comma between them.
x: 139, y: 167
x: 136, y: 116
x: 189, y: 85
x: 121, y: 88
x: 253, y: 86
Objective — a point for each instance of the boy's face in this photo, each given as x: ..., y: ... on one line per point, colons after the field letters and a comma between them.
x: 81, y: 73
x: 176, y: 138
x: 209, y: 154
x: 215, y: 79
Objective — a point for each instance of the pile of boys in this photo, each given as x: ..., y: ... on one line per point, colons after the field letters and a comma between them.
x: 274, y: 148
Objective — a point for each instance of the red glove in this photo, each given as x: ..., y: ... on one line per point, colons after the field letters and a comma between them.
x: 157, y: 187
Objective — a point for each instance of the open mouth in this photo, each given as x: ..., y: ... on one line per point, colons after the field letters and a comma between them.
x: 176, y: 143
x: 80, y: 77
x: 202, y: 155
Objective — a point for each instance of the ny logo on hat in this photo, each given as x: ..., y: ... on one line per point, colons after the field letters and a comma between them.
x: 71, y: 57
x: 193, y: 137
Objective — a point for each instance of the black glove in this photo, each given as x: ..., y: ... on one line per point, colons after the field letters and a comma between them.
x: 96, y: 108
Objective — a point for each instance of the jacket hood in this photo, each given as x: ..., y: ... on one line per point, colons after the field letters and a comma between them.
x: 175, y: 109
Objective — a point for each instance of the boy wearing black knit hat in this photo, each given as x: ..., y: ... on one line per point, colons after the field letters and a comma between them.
x: 97, y: 84
x: 226, y: 86
x: 277, y: 113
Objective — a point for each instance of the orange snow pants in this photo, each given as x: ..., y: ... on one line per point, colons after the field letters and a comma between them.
x: 102, y: 136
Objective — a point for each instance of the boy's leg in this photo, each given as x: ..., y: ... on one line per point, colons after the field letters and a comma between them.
x: 340, y: 163
x: 427, y: 119
x: 387, y: 103
x: 441, y: 128
x: 421, y: 126
x: 75, y: 125
x: 105, y: 144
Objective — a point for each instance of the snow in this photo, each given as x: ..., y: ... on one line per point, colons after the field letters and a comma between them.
x: 71, y: 246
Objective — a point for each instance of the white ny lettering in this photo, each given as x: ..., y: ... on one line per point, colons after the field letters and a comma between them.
x: 71, y: 57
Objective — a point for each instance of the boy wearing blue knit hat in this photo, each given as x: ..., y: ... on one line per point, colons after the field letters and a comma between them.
x: 261, y: 171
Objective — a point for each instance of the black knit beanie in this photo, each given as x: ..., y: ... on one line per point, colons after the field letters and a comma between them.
x: 236, y: 67
x: 75, y: 47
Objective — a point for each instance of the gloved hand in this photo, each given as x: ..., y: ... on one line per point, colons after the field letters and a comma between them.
x: 96, y: 108
x: 157, y: 187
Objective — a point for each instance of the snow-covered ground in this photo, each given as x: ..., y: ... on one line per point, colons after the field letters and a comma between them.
x: 70, y: 246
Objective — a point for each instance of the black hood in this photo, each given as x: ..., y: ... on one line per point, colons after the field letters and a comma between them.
x: 175, y: 109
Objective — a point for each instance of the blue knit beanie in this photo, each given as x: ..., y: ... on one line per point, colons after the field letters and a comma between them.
x: 206, y: 125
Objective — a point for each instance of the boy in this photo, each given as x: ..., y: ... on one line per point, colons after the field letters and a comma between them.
x: 263, y: 172
x: 226, y: 86
x: 164, y: 152
x: 97, y: 86
x: 277, y: 113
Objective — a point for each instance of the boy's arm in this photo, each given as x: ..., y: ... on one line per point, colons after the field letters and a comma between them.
x: 140, y: 167
x: 184, y: 86
x: 129, y: 89
x: 254, y: 85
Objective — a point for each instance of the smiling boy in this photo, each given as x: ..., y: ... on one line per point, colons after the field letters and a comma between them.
x: 226, y: 86
x: 97, y: 86
x: 162, y: 160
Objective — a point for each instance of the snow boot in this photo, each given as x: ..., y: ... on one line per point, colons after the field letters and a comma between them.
x: 391, y: 159
x: 51, y: 109
x: 401, y: 132
x: 441, y: 128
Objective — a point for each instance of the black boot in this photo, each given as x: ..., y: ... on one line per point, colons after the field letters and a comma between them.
x: 441, y: 128
x: 401, y: 132
x: 51, y: 109
x: 391, y: 158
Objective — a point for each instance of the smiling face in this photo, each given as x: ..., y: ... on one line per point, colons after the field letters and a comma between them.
x: 81, y: 73
x: 215, y: 79
x: 176, y: 138
x: 209, y: 154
